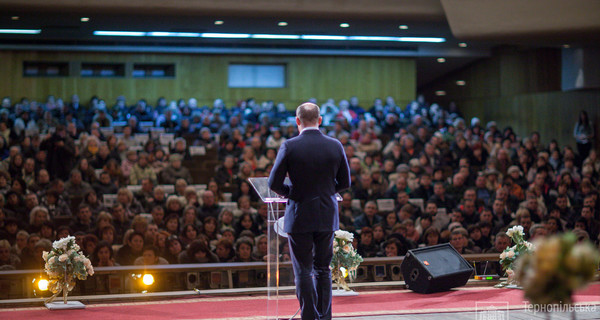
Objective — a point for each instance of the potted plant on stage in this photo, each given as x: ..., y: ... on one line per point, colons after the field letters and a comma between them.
x: 64, y: 264
x: 558, y: 267
x: 344, y: 263
x: 510, y: 255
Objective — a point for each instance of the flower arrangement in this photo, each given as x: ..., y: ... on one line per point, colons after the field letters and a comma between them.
x: 64, y: 264
x: 345, y: 260
x: 511, y: 254
x: 558, y: 267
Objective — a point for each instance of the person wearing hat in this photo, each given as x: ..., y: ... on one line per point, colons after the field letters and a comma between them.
x: 174, y: 171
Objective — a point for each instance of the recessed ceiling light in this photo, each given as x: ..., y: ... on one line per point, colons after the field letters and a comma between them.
x: 461, y: 82
x: 441, y: 60
x: 566, y: 46
x: 440, y: 93
x: 219, y: 22
x: 14, y: 18
x: 282, y: 24
x: 344, y: 25
x: 403, y: 27
x: 85, y: 19
x: 462, y: 45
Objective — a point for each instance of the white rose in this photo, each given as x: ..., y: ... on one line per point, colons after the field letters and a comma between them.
x: 344, y: 235
x: 63, y: 257
x: 503, y: 255
x: 90, y: 271
x: 510, y: 254
x: 52, y: 260
x: 45, y: 255
x: 519, y: 230
x: 509, y: 232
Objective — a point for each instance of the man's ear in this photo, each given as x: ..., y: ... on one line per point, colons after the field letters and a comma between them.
x: 320, y: 120
x: 298, y: 121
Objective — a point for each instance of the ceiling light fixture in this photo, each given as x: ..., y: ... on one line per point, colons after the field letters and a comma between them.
x: 276, y: 36
x: 440, y: 93
x: 14, y: 18
x: 226, y: 35
x: 120, y: 33
x: 403, y: 27
x: 219, y: 22
x: 173, y: 34
x: 282, y: 23
x: 322, y: 37
x: 441, y: 60
x: 344, y: 25
x: 461, y: 82
x: 85, y: 19
x: 462, y: 45
x: 566, y: 46
x: 21, y: 31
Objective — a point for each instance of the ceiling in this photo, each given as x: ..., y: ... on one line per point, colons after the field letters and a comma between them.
x: 481, y: 24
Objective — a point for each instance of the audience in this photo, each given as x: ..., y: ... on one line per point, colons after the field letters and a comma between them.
x: 76, y: 172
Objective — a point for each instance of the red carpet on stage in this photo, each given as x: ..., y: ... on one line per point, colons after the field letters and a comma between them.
x: 253, y: 307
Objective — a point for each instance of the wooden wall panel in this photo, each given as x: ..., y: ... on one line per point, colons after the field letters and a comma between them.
x: 205, y: 78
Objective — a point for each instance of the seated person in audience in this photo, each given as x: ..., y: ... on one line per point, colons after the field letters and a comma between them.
x: 206, y: 140
x: 411, y: 232
x: 47, y: 231
x: 8, y: 260
x: 83, y: 221
x: 107, y: 234
x: 180, y: 148
x: 431, y: 237
x: 174, y: 171
x: 369, y: 218
x: 120, y: 221
x: 476, y: 241
x: 174, y: 206
x: 91, y: 199
x: 260, y: 250
x: 393, y: 248
x: 379, y: 234
x: 130, y: 204
x: 150, y: 256
x: 37, y: 217
x: 173, y: 249
x: 226, y: 172
x: 145, y: 195
x: 224, y: 250
x: 365, y: 190
x: 423, y: 223
x: 198, y: 252
x: 104, y: 185
x: 35, y: 260
x: 142, y: 170
x: 189, y: 233
x: 131, y: 158
x: 458, y: 240
x: 42, y: 183
x: 10, y: 230
x: 366, y: 246
x: 425, y: 188
x: 501, y: 242
x: 523, y: 218
x: 537, y: 232
x: 243, y: 250
x: 209, y: 208
x: 131, y: 249
x: 225, y: 220
x: 90, y: 242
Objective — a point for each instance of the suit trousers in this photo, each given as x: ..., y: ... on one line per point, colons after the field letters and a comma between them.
x: 311, y: 254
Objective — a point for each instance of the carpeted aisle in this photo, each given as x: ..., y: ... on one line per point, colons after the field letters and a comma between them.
x: 250, y: 308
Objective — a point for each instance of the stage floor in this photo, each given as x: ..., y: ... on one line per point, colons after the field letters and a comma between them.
x: 462, y: 303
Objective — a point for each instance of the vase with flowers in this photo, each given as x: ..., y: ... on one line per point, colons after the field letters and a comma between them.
x: 64, y: 264
x: 345, y: 260
x: 510, y: 255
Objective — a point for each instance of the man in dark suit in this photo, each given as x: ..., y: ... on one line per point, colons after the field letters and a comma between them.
x: 318, y: 169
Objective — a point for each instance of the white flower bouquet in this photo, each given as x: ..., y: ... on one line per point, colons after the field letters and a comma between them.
x: 345, y: 260
x: 64, y: 264
x: 511, y: 254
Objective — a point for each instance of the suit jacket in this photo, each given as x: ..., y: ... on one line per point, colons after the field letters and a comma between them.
x: 318, y: 169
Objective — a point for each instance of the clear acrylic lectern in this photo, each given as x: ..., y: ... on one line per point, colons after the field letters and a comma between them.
x: 274, y: 231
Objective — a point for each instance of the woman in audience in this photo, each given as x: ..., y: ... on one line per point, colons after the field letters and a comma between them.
x: 174, y: 249
x: 91, y: 199
x: 225, y: 219
x: 103, y: 255
x: 216, y: 190
x: 37, y: 217
x: 246, y: 222
x: 172, y: 224
x: 190, y: 217
x: 174, y: 206
x: 189, y: 233
x: 224, y: 250
x: 131, y: 250
x: 130, y: 204
x: 198, y: 252
x: 431, y: 237
x: 243, y: 250
x: 244, y: 207
x: 210, y: 228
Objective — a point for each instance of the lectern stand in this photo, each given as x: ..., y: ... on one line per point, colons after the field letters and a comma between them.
x: 274, y: 231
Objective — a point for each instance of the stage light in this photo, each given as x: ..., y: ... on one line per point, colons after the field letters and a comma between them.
x: 403, y: 27
x: 441, y: 60
x: 148, y: 279
x: 219, y: 22
x: 85, y: 19
x: 344, y: 25
x: 21, y: 31
x: 282, y: 24
x: 43, y: 285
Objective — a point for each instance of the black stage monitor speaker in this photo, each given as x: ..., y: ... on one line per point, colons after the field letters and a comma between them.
x: 434, y: 269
